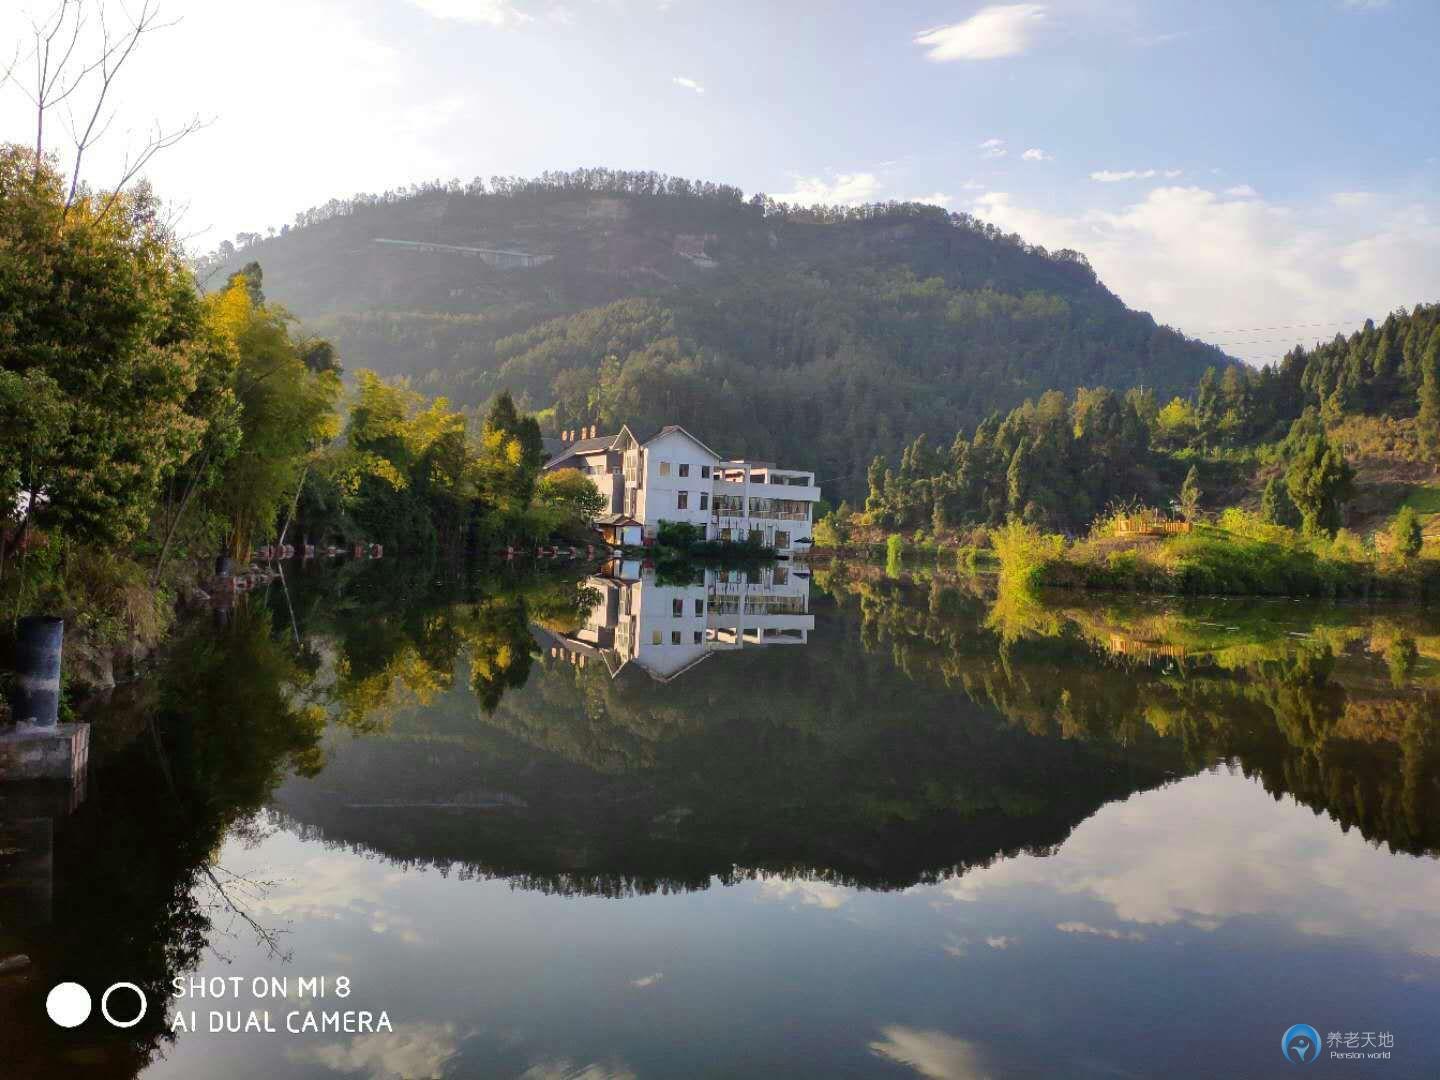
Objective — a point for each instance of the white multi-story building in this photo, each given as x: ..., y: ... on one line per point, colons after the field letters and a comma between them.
x: 666, y: 629
x: 673, y: 476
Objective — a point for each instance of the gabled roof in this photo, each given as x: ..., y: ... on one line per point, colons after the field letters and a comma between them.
x: 581, y: 447
x: 645, y: 436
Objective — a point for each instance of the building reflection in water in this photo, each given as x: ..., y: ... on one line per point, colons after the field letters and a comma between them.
x: 667, y: 626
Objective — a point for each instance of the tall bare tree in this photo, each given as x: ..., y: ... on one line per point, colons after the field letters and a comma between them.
x: 64, y: 67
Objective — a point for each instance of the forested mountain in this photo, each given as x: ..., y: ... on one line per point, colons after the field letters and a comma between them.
x: 819, y: 336
x: 1372, y: 397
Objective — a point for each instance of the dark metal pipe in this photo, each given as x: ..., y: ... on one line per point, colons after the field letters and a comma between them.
x: 35, y: 698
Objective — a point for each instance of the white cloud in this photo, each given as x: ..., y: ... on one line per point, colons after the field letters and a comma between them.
x: 1036, y: 154
x: 1245, y: 858
x: 1197, y: 259
x: 1352, y: 198
x: 932, y: 1054
x: 1364, y: 5
x: 1115, y: 176
x: 1086, y: 928
x: 416, y: 1049
x: 811, y: 893
x: 497, y: 13
x: 1001, y: 942
x: 935, y: 198
x: 688, y: 84
x: 1242, y: 191
x: 647, y: 981
x: 992, y: 148
x: 991, y: 33
x: 846, y: 189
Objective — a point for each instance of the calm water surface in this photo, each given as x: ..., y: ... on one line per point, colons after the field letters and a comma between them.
x: 747, y: 825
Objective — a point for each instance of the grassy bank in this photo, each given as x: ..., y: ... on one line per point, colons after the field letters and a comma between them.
x: 1236, y: 555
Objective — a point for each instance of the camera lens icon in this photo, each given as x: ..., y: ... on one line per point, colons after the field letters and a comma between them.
x: 69, y: 1005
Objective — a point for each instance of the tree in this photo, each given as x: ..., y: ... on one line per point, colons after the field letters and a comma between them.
x: 1427, y: 423
x: 1275, y: 505
x: 1190, y: 494
x: 286, y: 413
x: 1319, y: 481
x: 572, y: 496
x: 1406, y: 533
x: 100, y: 307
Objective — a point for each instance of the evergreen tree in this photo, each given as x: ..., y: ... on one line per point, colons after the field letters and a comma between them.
x: 1319, y: 481
x: 1406, y: 533
x: 1427, y: 423
x: 1015, y: 477
x: 1275, y: 505
x: 1190, y: 494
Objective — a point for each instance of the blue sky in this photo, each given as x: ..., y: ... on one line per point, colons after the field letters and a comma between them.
x: 1224, y: 165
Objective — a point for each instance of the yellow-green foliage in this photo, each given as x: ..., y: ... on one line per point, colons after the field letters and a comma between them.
x: 894, y: 553
x: 1024, y: 552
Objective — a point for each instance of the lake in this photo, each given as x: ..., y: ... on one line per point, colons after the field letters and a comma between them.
x: 773, y: 822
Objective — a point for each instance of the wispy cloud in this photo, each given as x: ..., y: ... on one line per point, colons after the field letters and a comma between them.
x: 1115, y: 176
x: 991, y: 33
x: 646, y: 981
x: 993, y: 148
x: 1242, y: 191
x: 1353, y: 198
x: 497, y: 13
x: 932, y: 1054
x: 1036, y: 154
x: 1086, y: 928
x: 1364, y: 5
x: 413, y: 1049
x: 935, y: 198
x: 846, y: 189
x: 688, y: 84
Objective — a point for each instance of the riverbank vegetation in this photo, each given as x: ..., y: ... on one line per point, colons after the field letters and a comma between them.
x: 1319, y: 476
x: 146, y: 428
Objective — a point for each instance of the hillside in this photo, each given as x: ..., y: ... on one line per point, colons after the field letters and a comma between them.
x: 818, y: 336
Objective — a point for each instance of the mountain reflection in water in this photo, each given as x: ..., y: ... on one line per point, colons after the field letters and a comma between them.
x: 896, y: 752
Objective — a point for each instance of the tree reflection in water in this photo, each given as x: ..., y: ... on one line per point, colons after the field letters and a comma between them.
x: 927, y: 728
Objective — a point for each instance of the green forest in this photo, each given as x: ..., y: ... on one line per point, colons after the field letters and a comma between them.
x: 821, y: 336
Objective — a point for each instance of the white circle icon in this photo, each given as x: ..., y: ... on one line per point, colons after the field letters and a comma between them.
x: 68, y: 1004
x: 105, y: 1005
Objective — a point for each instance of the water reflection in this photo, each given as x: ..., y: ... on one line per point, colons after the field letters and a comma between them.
x: 665, y: 625
x: 942, y: 832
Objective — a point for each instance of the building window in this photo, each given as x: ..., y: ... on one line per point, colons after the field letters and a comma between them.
x: 724, y: 534
x: 682, y: 499
x: 664, y: 468
x: 655, y: 638
x: 782, y: 539
x: 697, y: 637
x: 704, y: 472
x: 756, y: 536
x: 677, y: 607
x: 674, y: 637
x: 704, y: 500
x: 684, y: 469
x: 699, y: 606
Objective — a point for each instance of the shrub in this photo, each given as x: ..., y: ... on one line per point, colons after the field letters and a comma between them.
x: 1024, y: 551
x: 894, y: 552
x: 1406, y: 534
